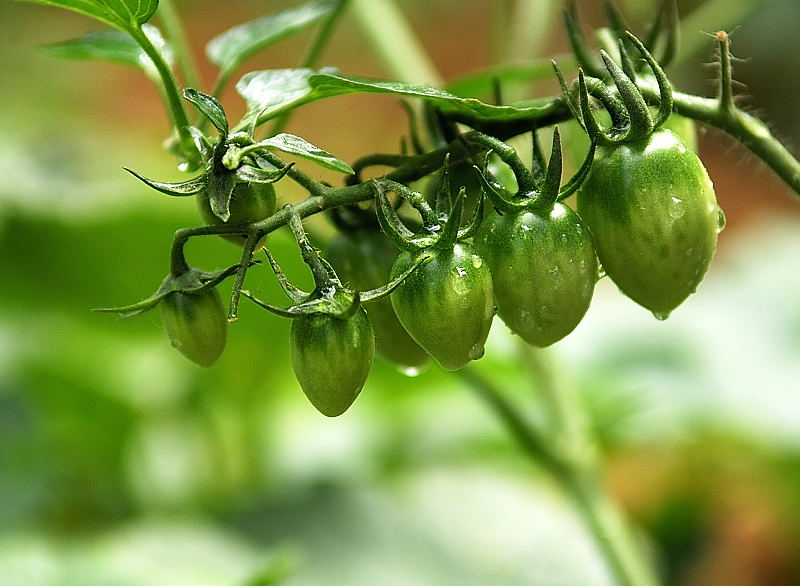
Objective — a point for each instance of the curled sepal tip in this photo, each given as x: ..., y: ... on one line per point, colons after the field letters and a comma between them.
x: 251, y: 174
x: 548, y: 192
x: 573, y: 184
x: 184, y: 188
x: 192, y: 281
x: 664, y: 87
x: 449, y: 233
x: 641, y: 124
x: 477, y: 217
x: 391, y: 224
x: 496, y: 193
x: 292, y: 292
x: 209, y: 107
x: 630, y: 115
x: 381, y: 292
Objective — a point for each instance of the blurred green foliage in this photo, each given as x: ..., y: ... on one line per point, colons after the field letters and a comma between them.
x: 123, y: 463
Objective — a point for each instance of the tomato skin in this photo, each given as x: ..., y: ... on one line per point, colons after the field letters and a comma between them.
x: 331, y: 358
x: 446, y: 304
x: 544, y: 268
x: 654, y: 218
x: 250, y: 202
x: 196, y: 324
x: 684, y: 128
x: 363, y: 260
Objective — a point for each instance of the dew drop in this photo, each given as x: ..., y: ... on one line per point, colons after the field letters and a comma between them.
x: 601, y: 272
x: 681, y: 148
x: 458, y: 284
x: 409, y: 371
x: 544, y: 310
x: 524, y: 320
x: 676, y: 208
x: 477, y: 261
x: 525, y: 228
x: 661, y: 315
x: 476, y: 352
x: 721, y: 220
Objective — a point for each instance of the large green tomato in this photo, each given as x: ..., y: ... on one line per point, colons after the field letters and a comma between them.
x: 331, y: 358
x: 446, y: 304
x: 363, y: 260
x: 250, y: 202
x: 196, y: 324
x: 654, y: 217
x: 544, y: 269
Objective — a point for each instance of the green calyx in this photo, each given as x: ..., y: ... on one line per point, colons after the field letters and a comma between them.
x: 218, y: 179
x: 630, y: 115
x: 441, y: 227
x: 192, y: 281
x: 329, y: 296
x: 539, y: 188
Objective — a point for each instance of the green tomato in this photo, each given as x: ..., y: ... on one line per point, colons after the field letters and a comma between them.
x: 544, y: 268
x: 685, y: 128
x: 654, y: 218
x: 250, y: 202
x: 196, y: 324
x: 446, y: 304
x: 332, y: 358
x: 363, y: 260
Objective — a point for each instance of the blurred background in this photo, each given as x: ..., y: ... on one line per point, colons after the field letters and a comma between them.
x: 123, y: 463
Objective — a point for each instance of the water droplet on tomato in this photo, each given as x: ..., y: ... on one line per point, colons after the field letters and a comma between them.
x: 410, y: 371
x: 524, y: 320
x: 477, y: 261
x: 661, y: 315
x: 476, y: 352
x: 721, y: 220
x: 676, y: 208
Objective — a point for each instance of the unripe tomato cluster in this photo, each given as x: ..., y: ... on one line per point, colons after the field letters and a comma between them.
x: 646, y: 212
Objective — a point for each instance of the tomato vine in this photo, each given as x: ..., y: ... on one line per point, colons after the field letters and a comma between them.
x: 532, y: 255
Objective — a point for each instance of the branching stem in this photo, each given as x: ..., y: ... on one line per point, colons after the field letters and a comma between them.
x: 565, y: 449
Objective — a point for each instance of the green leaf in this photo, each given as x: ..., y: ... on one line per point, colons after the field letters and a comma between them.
x: 273, y: 92
x: 326, y: 84
x: 289, y: 143
x: 210, y: 107
x: 269, y: 93
x: 126, y: 15
x: 230, y: 48
x: 116, y: 46
x: 482, y: 82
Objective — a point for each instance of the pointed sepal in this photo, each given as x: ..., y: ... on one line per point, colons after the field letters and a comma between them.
x: 209, y: 107
x: 182, y: 189
x: 192, y: 281
x: 381, y: 292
